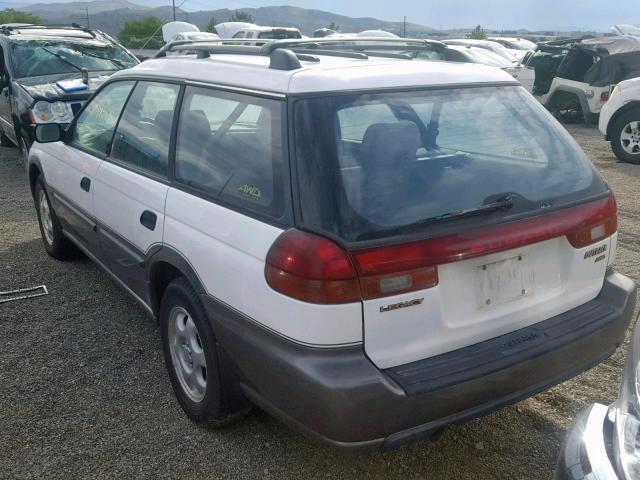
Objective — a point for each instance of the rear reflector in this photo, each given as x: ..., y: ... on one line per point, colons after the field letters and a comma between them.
x: 314, y: 269
x: 604, y: 96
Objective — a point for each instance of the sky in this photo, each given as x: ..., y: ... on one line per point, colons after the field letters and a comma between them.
x: 501, y: 14
x: 496, y: 14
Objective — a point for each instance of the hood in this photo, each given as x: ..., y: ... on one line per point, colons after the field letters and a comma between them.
x: 45, y: 87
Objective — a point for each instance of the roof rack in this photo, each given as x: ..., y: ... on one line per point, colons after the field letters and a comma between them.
x: 8, y: 29
x: 354, y: 43
x: 305, y: 49
x: 280, y: 59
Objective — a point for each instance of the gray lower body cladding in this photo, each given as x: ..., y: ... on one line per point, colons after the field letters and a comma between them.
x: 339, y: 396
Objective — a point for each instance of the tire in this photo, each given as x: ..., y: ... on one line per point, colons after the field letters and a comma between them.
x: 205, y: 395
x: 55, y: 243
x: 621, y: 133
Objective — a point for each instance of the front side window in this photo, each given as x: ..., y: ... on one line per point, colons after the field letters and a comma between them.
x: 382, y: 164
x: 94, y: 127
x: 142, y: 138
x: 229, y: 147
x: 30, y: 58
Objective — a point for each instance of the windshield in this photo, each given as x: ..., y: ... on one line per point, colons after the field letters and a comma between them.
x: 31, y: 58
x: 372, y: 163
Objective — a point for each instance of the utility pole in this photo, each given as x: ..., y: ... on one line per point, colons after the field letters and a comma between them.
x: 86, y: 9
x: 404, y: 28
x: 174, y: 9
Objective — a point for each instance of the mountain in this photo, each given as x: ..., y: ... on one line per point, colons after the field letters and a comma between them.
x: 46, y: 10
x: 110, y: 15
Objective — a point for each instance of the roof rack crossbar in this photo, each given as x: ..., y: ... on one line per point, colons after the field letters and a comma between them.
x: 331, y: 53
x: 279, y: 59
x: 212, y: 43
x: 351, y: 42
x: 399, y: 56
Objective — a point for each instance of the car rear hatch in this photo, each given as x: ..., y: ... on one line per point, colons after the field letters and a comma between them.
x: 464, y: 213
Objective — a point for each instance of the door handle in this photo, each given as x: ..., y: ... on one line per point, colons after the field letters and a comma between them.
x: 85, y: 184
x: 148, y: 219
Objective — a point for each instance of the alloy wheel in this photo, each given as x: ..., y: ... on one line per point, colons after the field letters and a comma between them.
x: 187, y: 354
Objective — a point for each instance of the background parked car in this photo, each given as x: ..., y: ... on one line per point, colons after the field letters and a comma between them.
x: 525, y: 75
x: 41, y: 76
x: 195, y: 36
x: 514, y: 43
x: 508, y: 53
x: 620, y: 120
x: 263, y: 33
x: 604, y: 442
x: 575, y: 76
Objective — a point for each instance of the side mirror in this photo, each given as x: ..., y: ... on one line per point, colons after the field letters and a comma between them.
x: 48, y: 132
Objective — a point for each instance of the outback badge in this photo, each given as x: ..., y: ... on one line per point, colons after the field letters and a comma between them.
x: 396, y: 306
x: 595, y: 251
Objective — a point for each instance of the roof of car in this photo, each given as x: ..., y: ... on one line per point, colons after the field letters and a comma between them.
x: 261, y: 28
x: 330, y: 73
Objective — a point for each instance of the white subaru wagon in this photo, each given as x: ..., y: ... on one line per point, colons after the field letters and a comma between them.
x: 368, y: 248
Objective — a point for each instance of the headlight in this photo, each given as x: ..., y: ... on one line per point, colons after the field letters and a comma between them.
x: 627, y: 442
x: 616, y: 91
x: 46, y: 112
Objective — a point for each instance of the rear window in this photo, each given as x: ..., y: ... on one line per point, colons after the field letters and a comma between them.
x: 373, y: 165
x: 280, y: 34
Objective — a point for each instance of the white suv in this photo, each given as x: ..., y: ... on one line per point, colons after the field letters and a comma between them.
x: 620, y: 120
x: 367, y: 248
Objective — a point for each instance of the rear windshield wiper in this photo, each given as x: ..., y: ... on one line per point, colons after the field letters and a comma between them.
x: 504, y: 203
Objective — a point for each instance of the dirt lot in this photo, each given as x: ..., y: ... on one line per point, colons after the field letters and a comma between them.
x: 84, y: 392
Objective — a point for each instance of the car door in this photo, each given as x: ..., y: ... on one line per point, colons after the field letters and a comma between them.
x: 71, y: 168
x: 131, y: 184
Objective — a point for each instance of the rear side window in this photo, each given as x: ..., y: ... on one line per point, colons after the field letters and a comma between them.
x: 229, y: 147
x: 94, y: 127
x: 142, y: 137
x: 377, y: 165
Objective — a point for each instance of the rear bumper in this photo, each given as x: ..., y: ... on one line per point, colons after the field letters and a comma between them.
x: 584, y: 454
x: 338, y: 396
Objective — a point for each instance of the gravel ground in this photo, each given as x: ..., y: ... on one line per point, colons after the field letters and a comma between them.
x: 85, y: 394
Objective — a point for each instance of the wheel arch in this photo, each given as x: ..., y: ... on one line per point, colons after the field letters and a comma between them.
x: 34, y: 171
x: 164, y: 265
x: 579, y: 94
x: 633, y: 105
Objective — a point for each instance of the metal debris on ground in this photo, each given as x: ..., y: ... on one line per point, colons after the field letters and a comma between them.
x: 23, y: 293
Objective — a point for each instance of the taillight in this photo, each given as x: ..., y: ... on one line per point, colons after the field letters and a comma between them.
x: 600, y: 221
x: 604, y: 96
x: 314, y: 269
x: 311, y: 268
